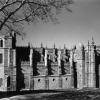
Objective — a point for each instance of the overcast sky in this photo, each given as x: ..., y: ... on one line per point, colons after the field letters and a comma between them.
x: 78, y: 26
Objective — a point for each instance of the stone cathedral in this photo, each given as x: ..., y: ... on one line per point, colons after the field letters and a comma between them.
x: 43, y: 68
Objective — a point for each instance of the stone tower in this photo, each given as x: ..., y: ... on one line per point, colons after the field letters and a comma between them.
x: 87, y: 64
x: 79, y: 59
x: 91, y: 68
x: 7, y: 63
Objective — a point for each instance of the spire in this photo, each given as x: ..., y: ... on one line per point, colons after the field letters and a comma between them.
x: 64, y: 46
x: 59, y: 48
x: 64, y: 49
x: 88, y: 45
x: 41, y: 45
x: 46, y: 47
x: 93, y: 41
x: 54, y: 46
x: 88, y: 42
x: 28, y: 44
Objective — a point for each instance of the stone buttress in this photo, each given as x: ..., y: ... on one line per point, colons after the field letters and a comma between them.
x: 79, y: 59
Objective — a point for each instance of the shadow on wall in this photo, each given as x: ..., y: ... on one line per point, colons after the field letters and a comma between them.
x: 36, y: 59
x: 22, y: 54
x: 75, y: 74
x: 97, y: 70
x: 62, y: 67
x: 49, y: 67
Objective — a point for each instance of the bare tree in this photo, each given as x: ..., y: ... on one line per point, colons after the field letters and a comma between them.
x: 15, y: 13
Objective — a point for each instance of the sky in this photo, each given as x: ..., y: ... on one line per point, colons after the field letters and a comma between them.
x: 75, y: 27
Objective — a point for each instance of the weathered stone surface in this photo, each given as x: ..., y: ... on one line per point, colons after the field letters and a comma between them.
x: 48, y: 68
x: 39, y: 83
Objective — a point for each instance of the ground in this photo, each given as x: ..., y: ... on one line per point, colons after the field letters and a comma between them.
x: 84, y: 94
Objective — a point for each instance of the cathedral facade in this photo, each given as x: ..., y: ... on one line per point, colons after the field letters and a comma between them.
x: 31, y: 68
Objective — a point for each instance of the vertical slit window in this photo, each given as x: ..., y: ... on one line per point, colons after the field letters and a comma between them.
x: 1, y: 58
x: 8, y: 81
x: 1, y: 43
x: 1, y: 82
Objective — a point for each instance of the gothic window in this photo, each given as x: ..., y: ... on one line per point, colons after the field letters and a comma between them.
x: 0, y: 58
x: 1, y: 43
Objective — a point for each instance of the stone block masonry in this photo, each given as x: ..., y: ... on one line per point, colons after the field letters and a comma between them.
x: 31, y: 68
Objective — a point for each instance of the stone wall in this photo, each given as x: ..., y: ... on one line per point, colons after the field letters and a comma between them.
x: 52, y: 82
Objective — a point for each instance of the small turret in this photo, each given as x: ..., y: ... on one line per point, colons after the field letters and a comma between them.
x: 41, y: 45
x: 29, y: 44
x: 54, y: 49
x: 46, y: 47
x: 64, y: 49
x: 88, y: 44
x: 54, y: 46
x: 92, y: 41
x: 64, y: 46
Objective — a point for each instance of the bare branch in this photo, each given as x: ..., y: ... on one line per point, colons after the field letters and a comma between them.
x: 12, y: 13
x: 23, y: 19
x: 7, y: 5
x: 15, y: 12
x: 7, y: 1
